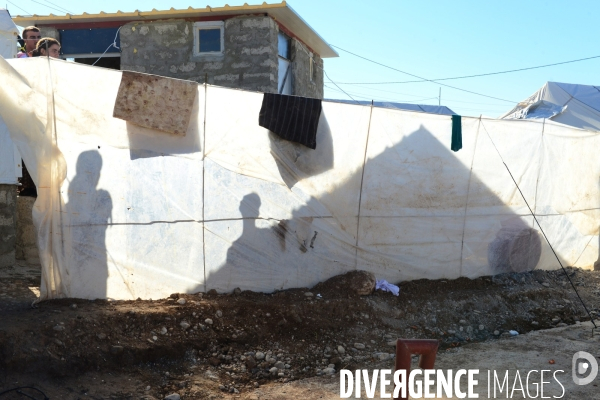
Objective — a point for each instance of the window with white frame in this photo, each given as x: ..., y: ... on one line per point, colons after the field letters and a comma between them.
x: 209, y: 38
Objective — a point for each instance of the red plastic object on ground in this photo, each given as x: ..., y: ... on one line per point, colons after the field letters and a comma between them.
x: 406, y: 348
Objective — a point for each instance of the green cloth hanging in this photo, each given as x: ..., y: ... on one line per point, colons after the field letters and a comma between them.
x: 456, y: 133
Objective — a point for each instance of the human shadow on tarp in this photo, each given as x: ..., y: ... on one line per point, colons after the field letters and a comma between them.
x: 90, y: 212
x: 417, y: 199
x: 264, y: 253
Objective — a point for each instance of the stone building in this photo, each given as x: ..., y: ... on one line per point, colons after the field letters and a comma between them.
x: 266, y: 48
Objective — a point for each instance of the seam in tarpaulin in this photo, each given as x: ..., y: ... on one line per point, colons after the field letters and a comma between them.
x: 204, y: 185
x: 462, y: 242
x: 537, y: 182
x: 362, y: 178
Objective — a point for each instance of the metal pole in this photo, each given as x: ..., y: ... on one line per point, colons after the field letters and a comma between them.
x: 440, y: 97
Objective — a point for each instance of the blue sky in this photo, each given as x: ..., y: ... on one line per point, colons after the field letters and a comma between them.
x: 431, y: 39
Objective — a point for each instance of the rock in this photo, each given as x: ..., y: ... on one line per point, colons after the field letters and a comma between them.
x: 211, y: 375
x: 181, y: 301
x: 259, y: 355
x: 534, y: 323
x: 59, y: 328
x: 184, y: 325
x: 214, y: 361
x: 116, y: 349
x: 329, y: 371
x: 173, y: 396
x: 101, y: 336
x: 237, y: 291
x: 279, y: 365
x: 496, y: 333
x: 391, y: 343
x: 359, y: 346
x: 250, y: 362
x: 274, y: 371
x: 360, y: 283
x: 337, y: 362
x: 341, y: 350
x: 462, y: 321
x: 219, y: 314
x: 308, y: 294
x: 208, y: 321
x: 481, y: 327
x: 163, y: 330
x: 451, y: 332
x: 546, y: 284
x: 73, y: 306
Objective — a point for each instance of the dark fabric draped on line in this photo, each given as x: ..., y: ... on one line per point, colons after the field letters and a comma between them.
x: 456, y: 133
x: 291, y: 117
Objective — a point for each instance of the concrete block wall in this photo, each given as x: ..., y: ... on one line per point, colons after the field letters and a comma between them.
x: 166, y: 48
x: 8, y: 224
x: 26, y: 243
x: 47, y: 31
x: 303, y: 84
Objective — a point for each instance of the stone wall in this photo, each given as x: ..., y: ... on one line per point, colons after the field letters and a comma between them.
x: 26, y: 243
x: 46, y: 31
x: 303, y: 83
x: 166, y: 48
x: 8, y: 224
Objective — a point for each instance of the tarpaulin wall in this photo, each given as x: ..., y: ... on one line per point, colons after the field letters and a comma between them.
x: 126, y: 212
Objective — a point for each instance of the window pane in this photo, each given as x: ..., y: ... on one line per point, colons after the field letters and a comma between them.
x: 284, y: 87
x: 283, y: 45
x: 210, y: 40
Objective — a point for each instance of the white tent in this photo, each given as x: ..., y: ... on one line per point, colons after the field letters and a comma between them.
x: 8, y: 35
x: 565, y: 103
x: 126, y: 212
x: 10, y: 160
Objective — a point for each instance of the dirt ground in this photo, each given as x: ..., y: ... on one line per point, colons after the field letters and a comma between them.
x: 259, y: 346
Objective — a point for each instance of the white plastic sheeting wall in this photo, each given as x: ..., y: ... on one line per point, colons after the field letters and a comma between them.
x: 126, y: 212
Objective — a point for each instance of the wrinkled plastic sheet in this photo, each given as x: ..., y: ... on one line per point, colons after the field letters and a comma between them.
x: 569, y: 104
x: 125, y: 211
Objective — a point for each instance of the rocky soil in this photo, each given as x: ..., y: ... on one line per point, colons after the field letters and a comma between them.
x: 210, y: 346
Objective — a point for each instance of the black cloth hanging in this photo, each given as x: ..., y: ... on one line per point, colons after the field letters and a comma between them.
x: 291, y: 117
x: 456, y: 144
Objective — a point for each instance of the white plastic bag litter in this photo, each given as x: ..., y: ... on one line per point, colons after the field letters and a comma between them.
x: 387, y: 287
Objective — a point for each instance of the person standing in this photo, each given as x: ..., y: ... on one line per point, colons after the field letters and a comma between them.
x: 31, y: 36
x: 47, y: 47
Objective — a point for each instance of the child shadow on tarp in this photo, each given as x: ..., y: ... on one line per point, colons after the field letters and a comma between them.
x: 90, y: 211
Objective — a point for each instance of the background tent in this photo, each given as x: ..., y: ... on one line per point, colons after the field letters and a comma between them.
x: 442, y: 110
x: 569, y: 104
